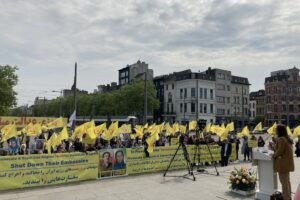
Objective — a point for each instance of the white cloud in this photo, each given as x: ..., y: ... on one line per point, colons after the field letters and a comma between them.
x: 45, y: 38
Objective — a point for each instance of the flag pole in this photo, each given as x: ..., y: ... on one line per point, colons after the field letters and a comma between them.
x: 74, y: 93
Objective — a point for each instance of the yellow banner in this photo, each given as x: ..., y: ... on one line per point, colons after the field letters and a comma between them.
x: 253, y: 143
x: 42, y: 170
x: 21, y: 122
x: 174, y: 141
x: 137, y: 163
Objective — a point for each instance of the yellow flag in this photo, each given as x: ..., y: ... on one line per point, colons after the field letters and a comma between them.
x: 125, y: 128
x: 5, y: 129
x: 111, y: 131
x: 63, y: 135
x: 139, y: 131
x: 192, y: 125
x: 230, y: 126
x: 28, y: 129
x: 154, y: 136
x: 207, y: 128
x: 296, y: 131
x: 99, y: 129
x: 258, y: 127
x: 146, y: 126
x: 35, y: 129
x: 182, y: 129
x: 176, y: 127
x: 272, y: 129
x: 223, y: 126
x: 245, y: 132
x: 169, y: 130
x: 57, y: 123
x: 10, y: 132
x: 289, y: 131
x: 224, y: 135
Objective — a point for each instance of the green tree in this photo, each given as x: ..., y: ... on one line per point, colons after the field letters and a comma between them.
x: 8, y: 80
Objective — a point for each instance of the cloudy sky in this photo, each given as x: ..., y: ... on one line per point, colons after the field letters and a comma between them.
x: 45, y: 38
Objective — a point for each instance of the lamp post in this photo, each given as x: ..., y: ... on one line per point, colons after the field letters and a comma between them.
x: 60, y: 100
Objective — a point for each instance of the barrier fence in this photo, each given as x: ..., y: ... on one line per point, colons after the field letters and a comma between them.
x: 42, y: 169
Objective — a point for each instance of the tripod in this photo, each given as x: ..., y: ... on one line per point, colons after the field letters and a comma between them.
x: 186, y: 157
x: 198, y: 154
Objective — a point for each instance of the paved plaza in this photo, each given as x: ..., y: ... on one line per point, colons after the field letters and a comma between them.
x: 149, y: 187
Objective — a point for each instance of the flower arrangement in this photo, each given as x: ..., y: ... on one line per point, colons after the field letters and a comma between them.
x: 243, y: 179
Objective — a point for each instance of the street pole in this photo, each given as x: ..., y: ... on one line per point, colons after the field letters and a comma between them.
x: 197, y: 100
x: 74, y: 90
x: 145, y: 99
x: 44, y: 106
x: 287, y: 103
x: 243, y: 120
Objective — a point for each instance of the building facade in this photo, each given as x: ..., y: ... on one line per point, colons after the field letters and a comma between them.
x: 232, y: 97
x: 282, y: 90
x: 257, y: 105
x: 133, y: 71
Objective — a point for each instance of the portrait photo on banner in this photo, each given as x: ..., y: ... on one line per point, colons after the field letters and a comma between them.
x: 119, y: 163
x: 106, y: 163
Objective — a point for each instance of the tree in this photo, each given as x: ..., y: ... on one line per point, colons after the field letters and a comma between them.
x: 128, y: 100
x: 8, y: 80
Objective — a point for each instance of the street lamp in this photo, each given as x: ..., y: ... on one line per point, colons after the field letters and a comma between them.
x: 60, y: 100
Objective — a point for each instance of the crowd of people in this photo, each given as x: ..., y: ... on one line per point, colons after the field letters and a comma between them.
x: 24, y: 144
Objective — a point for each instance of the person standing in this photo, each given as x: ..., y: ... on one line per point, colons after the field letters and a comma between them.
x: 226, y: 149
x: 245, y: 148
x: 284, y: 160
x: 297, y: 146
x: 261, y: 142
x: 237, y: 147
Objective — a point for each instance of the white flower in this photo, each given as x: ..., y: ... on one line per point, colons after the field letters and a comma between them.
x: 244, y: 180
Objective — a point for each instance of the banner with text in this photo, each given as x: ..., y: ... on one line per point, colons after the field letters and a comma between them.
x: 159, y: 160
x: 42, y: 170
x: 21, y: 122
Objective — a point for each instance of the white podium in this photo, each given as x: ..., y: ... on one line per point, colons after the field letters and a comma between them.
x: 267, y: 178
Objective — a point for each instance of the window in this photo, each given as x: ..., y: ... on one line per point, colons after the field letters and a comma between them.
x: 228, y: 99
x: 167, y: 86
x: 168, y: 108
x: 172, y: 108
x: 205, y: 93
x: 181, y: 108
x: 193, y: 92
x: 238, y: 100
x: 221, y: 99
x: 246, y: 101
x: 201, y: 108
x: 205, y: 108
x: 220, y: 86
x: 193, y: 107
x: 236, y: 90
x: 220, y: 111
x: 221, y: 76
x: 181, y: 93
x: 211, y: 94
x: 172, y: 86
x: 275, y: 108
x: 170, y: 97
x: 201, y: 93
x: 228, y: 111
x: 228, y: 87
x: 185, y: 92
x: 211, y: 108
x: 185, y: 107
x: 291, y: 108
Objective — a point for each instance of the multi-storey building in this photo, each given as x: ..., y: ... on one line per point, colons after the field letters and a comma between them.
x: 257, y: 104
x: 232, y: 97
x: 186, y: 96
x: 136, y: 70
x: 213, y: 95
x: 282, y: 90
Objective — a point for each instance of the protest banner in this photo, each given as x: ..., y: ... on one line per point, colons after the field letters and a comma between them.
x: 21, y: 122
x: 44, y: 169
x: 112, y: 162
x: 137, y: 163
x: 174, y: 141
x: 253, y: 143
